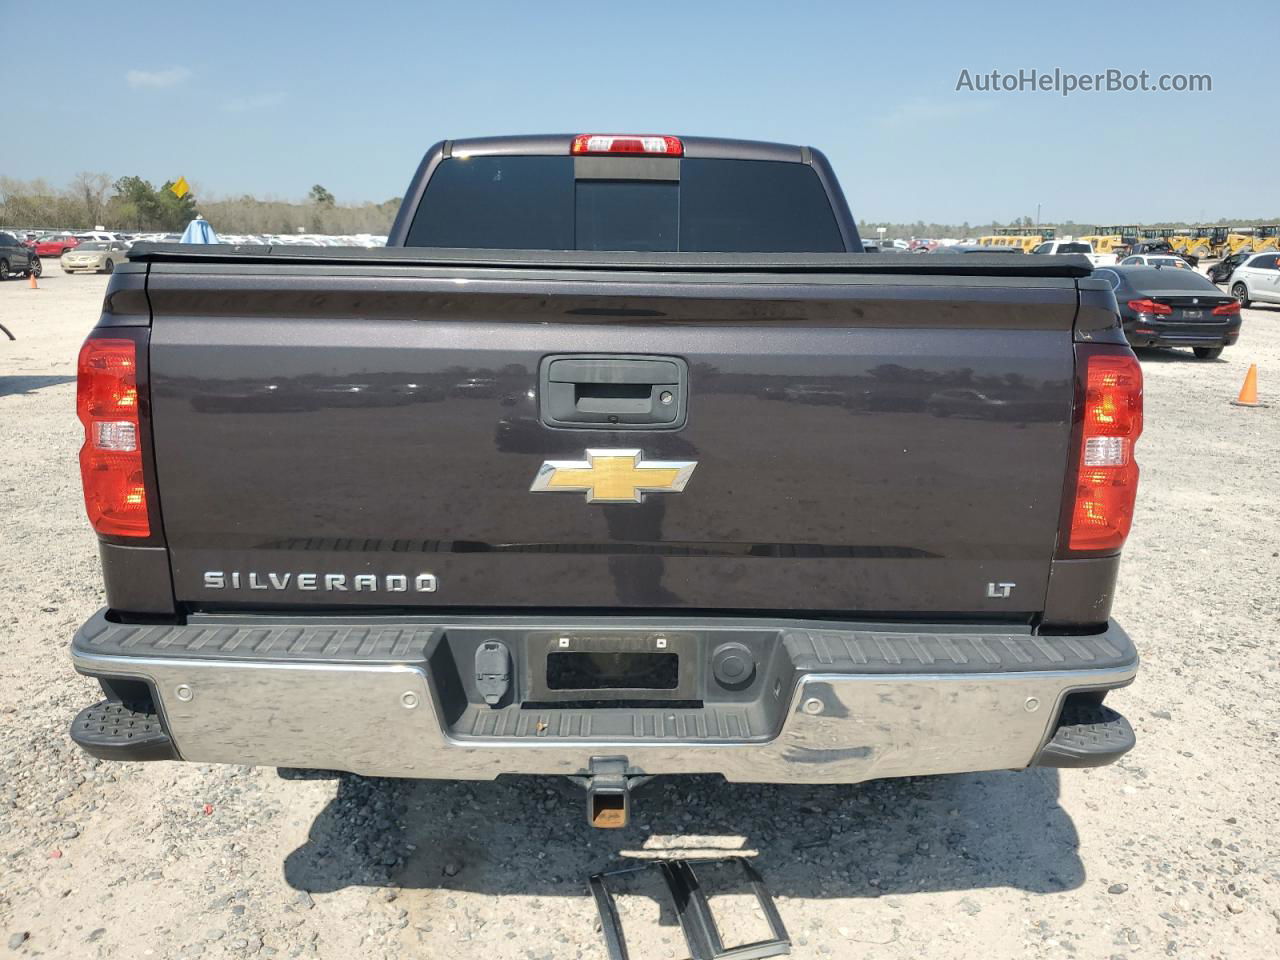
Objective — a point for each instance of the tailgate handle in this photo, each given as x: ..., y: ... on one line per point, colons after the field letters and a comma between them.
x: 619, y: 392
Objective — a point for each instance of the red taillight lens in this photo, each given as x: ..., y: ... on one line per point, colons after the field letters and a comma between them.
x: 1106, y: 480
x: 1227, y: 309
x: 115, y: 493
x: 1150, y: 306
x: 603, y: 143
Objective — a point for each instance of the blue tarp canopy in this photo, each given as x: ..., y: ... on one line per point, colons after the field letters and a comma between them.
x: 199, y: 231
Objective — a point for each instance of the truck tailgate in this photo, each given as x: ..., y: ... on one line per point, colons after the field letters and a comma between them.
x: 864, y: 444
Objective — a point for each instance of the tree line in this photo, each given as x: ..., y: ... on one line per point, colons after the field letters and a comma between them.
x: 133, y: 203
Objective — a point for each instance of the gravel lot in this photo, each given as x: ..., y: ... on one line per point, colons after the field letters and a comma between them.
x: 1172, y: 852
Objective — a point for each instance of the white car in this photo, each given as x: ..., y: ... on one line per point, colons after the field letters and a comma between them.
x: 97, y: 237
x: 1256, y: 280
x: 1154, y: 260
x: 1082, y: 247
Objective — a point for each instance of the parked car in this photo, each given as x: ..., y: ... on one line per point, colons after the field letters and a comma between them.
x: 1170, y: 307
x: 56, y: 244
x: 1155, y: 260
x: 1221, y: 271
x: 655, y: 519
x: 1258, y: 278
x: 16, y: 258
x: 1082, y: 247
x: 94, y: 256
x: 975, y: 248
x: 98, y: 237
x: 1161, y: 247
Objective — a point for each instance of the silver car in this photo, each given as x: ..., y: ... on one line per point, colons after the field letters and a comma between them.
x: 1154, y: 260
x: 1256, y: 279
x: 95, y: 256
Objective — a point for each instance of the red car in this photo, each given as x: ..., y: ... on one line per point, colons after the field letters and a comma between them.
x: 56, y: 244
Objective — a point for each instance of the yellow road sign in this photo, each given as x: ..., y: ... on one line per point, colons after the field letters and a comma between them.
x: 181, y: 188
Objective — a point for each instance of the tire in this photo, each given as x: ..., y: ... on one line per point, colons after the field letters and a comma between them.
x: 37, y: 268
x: 1241, y: 293
x: 4, y: 270
x: 1207, y: 353
x: 110, y: 267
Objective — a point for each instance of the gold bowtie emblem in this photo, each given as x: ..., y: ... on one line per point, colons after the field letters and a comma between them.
x: 613, y: 476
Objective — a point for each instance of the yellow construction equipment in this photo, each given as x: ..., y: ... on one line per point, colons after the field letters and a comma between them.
x: 1105, y: 243
x: 1203, y: 241
x: 1264, y: 239
x: 1178, y: 238
x: 1113, y: 238
x: 1237, y: 243
x: 1028, y: 238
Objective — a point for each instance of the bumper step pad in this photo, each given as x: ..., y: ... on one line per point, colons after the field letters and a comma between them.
x: 111, y: 730
x: 1088, y: 735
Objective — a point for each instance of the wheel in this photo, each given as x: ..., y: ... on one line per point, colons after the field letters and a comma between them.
x: 110, y: 267
x: 37, y: 268
x: 1241, y: 293
x: 1207, y: 353
x: 4, y: 270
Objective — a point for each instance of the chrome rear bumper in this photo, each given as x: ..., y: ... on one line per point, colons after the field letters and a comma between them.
x: 836, y: 704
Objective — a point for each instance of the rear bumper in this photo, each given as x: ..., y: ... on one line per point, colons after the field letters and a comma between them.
x: 829, y: 703
x: 1146, y: 334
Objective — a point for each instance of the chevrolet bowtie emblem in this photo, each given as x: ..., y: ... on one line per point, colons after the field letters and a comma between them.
x: 613, y: 476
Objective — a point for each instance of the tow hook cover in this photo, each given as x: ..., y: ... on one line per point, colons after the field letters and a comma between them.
x: 493, y: 671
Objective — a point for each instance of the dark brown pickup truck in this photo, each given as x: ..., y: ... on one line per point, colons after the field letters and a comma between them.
x: 622, y: 459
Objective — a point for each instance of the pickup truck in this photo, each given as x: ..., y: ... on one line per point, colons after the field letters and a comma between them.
x: 1081, y: 247
x: 621, y: 459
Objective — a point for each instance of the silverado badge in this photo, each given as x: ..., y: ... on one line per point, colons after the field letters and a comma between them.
x: 613, y: 476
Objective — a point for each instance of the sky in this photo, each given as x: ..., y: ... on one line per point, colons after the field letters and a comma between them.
x: 268, y: 98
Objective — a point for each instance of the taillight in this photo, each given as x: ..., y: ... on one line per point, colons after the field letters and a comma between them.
x: 600, y: 143
x: 1109, y: 422
x: 115, y: 493
x: 1227, y: 309
x: 1150, y: 306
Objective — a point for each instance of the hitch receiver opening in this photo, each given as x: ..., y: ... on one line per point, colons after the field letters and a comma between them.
x: 609, y: 786
x: 608, y: 809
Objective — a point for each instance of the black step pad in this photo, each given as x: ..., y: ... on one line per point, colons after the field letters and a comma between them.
x: 1088, y: 735
x: 111, y: 730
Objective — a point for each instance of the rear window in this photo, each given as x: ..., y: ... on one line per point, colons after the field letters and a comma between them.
x: 535, y: 203
x: 1075, y: 248
x: 1169, y: 278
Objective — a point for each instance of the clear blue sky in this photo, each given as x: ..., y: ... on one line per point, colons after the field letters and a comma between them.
x: 269, y: 98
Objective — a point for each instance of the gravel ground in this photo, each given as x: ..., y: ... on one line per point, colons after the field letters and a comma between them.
x: 1171, y: 852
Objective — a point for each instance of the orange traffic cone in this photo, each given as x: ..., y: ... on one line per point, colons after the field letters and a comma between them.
x: 31, y: 281
x: 1249, y: 391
